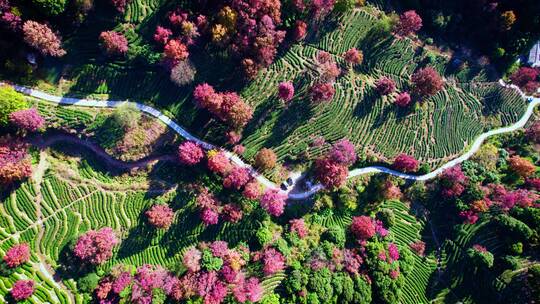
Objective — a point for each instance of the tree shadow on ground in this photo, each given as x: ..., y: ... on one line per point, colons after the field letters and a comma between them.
x: 138, y: 239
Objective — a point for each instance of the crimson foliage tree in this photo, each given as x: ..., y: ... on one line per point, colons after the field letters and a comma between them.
x: 405, y: 163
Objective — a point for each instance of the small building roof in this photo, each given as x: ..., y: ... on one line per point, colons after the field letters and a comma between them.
x: 534, y: 55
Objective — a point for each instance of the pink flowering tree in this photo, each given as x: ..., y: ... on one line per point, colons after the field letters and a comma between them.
x: 427, y: 82
x: 42, y: 38
x: 273, y: 261
x: 17, y: 255
x: 453, y: 182
x: 95, y: 246
x: 286, y: 91
x: 322, y: 92
x: 362, y: 227
x: 218, y: 162
x: 29, y: 120
x: 192, y: 259
x: 330, y: 173
x: 273, y: 202
x: 419, y: 247
x: 300, y: 30
x: 409, y: 23
x: 343, y: 152
x: 162, y: 35
x: 15, y: 163
x: 160, y: 216
x: 120, y: 5
x: 113, y: 43
x: 190, y: 153
x: 385, y: 86
x: 249, y: 290
x: 403, y: 100
x: 298, y: 226
x: 175, y: 51
x: 405, y: 163
x: 353, y: 57
x: 22, y: 290
x: 252, y: 190
x: 237, y: 178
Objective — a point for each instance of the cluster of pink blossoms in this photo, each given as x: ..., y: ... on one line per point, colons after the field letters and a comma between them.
x: 211, y: 209
x: 213, y: 285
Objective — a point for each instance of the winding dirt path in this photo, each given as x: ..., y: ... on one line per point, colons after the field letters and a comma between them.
x: 96, y: 149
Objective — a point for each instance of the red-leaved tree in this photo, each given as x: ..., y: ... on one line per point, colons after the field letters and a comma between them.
x: 286, y: 91
x: 322, y: 92
x: 403, y: 99
x: 15, y: 163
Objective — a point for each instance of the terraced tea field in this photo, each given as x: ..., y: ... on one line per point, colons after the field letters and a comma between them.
x: 438, y: 131
x: 50, y: 211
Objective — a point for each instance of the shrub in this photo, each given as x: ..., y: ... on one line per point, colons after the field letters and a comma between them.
x: 533, y: 132
x: 51, y: 7
x: 405, y: 163
x: 10, y: 101
x: 113, y: 43
x: 385, y: 86
x: 95, y: 247
x: 28, y: 120
x: 43, y: 39
x: 480, y: 256
x: 409, y: 23
x: 17, y: 255
x: 183, y: 73
x: 427, y: 82
x: 160, y: 216
x: 22, y: 290
x: 190, y: 153
x: 344, y: 5
x: 265, y: 159
x: 88, y: 283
